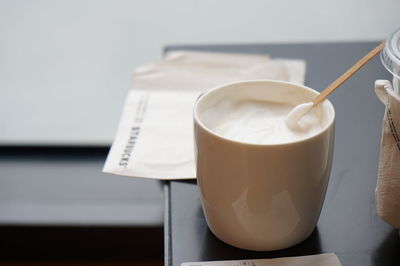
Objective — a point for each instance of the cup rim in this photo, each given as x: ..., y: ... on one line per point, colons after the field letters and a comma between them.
x: 204, y: 94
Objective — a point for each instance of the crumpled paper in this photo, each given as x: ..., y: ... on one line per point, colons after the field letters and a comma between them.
x: 387, y: 192
x: 155, y: 133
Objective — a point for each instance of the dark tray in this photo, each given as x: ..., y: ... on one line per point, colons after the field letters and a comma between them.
x: 348, y: 225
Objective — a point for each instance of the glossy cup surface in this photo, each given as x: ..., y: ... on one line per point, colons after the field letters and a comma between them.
x: 261, y: 197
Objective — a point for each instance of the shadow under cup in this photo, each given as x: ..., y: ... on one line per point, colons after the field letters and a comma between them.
x: 259, y: 196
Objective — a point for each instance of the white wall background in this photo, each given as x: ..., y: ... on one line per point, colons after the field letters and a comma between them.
x: 65, y: 65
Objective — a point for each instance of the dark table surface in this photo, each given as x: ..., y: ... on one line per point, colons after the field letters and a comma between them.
x: 55, y: 203
x: 348, y: 225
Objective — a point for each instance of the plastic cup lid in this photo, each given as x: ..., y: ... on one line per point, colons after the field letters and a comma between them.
x: 390, y: 55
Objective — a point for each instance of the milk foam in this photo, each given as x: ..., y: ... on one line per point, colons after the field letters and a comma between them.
x: 297, y: 113
x: 264, y: 122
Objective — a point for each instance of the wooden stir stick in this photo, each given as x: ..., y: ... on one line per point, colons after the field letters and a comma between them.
x: 325, y: 93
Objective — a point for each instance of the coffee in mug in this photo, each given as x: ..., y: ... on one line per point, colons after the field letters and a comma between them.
x: 262, y: 181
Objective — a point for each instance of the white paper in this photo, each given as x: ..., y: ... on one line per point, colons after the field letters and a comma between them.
x: 327, y: 259
x: 155, y: 134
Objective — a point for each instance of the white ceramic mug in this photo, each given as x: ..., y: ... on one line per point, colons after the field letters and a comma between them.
x: 258, y: 196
